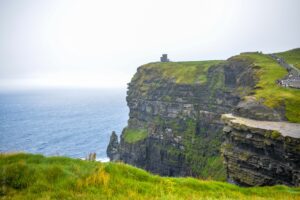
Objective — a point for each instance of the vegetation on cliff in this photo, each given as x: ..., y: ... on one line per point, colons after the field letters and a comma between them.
x: 180, y: 72
x: 25, y: 176
x: 202, y: 153
x: 133, y: 135
x: 268, y: 71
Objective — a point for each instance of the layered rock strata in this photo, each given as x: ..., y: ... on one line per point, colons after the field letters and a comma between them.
x: 261, y: 152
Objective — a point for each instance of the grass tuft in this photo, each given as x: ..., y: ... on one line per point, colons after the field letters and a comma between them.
x: 134, y: 135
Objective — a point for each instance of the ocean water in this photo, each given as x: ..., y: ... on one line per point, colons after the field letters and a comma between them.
x: 69, y: 123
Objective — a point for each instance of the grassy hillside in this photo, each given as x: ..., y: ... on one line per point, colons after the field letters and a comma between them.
x: 291, y: 57
x: 267, y: 90
x: 25, y: 176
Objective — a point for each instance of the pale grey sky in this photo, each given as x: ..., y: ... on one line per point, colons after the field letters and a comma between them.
x: 95, y: 43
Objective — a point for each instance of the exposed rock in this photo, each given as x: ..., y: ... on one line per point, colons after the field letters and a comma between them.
x: 113, y: 147
x: 261, y: 152
x: 251, y: 108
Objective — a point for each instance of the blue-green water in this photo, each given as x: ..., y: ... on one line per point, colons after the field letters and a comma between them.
x: 64, y: 122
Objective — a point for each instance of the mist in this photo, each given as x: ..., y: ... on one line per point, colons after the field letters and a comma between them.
x: 99, y: 44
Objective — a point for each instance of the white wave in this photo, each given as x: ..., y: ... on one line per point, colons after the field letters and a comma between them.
x: 105, y: 159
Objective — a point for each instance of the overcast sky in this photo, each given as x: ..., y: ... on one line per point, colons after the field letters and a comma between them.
x: 95, y: 43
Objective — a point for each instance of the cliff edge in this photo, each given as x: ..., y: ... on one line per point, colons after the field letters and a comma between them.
x: 175, y: 126
x: 261, y: 152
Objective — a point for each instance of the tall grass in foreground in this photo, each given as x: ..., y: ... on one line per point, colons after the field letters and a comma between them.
x: 25, y: 176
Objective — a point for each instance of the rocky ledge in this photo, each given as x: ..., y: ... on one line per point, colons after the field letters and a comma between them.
x: 261, y: 152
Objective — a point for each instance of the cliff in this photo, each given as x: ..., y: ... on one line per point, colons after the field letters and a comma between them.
x: 175, y: 127
x: 261, y: 152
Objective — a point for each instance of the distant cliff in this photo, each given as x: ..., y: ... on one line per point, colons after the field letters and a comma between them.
x: 175, y: 127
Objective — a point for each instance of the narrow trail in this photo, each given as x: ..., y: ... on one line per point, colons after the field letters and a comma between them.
x: 293, y: 78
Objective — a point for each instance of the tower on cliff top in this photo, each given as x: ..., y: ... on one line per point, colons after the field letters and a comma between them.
x: 164, y: 58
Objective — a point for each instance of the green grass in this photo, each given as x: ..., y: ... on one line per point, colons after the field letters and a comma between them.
x: 25, y: 176
x: 291, y: 57
x: 214, y: 169
x: 182, y: 72
x: 268, y: 71
x: 133, y: 135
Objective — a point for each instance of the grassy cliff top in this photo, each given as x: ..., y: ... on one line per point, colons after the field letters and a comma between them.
x: 268, y: 71
x: 181, y: 72
x: 25, y: 176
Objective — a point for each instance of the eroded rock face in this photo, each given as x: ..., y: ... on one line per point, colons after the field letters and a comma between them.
x: 251, y: 108
x: 182, y: 120
x: 261, y: 152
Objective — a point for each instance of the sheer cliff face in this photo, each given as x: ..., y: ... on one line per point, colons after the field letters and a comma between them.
x: 178, y: 119
x: 261, y: 152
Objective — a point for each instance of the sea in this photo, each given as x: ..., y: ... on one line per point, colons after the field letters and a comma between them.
x: 61, y: 122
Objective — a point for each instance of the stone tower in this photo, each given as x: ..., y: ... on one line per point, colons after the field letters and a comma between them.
x: 164, y: 58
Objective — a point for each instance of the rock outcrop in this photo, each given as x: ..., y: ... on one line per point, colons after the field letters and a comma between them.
x: 113, y: 148
x: 251, y: 108
x: 261, y: 152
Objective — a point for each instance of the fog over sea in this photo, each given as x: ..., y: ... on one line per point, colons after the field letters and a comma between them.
x: 69, y: 123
